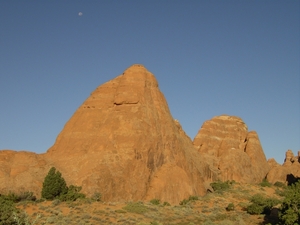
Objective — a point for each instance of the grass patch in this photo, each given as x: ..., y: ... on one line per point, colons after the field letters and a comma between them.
x: 136, y: 207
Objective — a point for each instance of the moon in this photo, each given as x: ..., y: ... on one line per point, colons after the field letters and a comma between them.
x: 80, y: 14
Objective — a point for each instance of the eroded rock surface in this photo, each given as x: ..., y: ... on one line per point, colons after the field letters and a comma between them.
x: 288, y: 172
x: 122, y: 142
x: 21, y: 171
x: 234, y: 151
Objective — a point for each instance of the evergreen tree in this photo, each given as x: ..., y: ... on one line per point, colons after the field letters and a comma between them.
x: 290, y: 209
x: 54, y: 185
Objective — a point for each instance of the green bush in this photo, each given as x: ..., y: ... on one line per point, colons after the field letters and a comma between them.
x: 190, y: 199
x: 72, y: 194
x: 9, y: 214
x: 265, y: 183
x: 230, y: 207
x: 24, y: 196
x: 290, y: 208
x: 135, y: 207
x: 220, y: 186
x: 7, y: 209
x: 261, y: 205
x: 184, y: 202
x: 279, y: 184
x: 54, y: 185
x: 193, y: 198
x: 166, y: 204
x: 155, y: 201
x: 24, y: 219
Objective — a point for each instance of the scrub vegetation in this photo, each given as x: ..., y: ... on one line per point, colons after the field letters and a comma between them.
x: 229, y: 203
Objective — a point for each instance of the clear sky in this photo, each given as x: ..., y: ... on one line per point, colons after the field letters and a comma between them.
x: 210, y: 58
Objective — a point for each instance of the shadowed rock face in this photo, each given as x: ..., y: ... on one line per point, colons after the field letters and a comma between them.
x: 286, y: 173
x: 234, y: 151
x: 122, y: 142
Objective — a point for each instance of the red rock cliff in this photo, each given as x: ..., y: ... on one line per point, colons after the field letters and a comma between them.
x: 124, y: 143
x: 234, y: 151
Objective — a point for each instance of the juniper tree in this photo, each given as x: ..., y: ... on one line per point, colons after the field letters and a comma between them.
x: 290, y: 208
x: 54, y: 185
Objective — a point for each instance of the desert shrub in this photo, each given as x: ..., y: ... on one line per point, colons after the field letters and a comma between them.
x: 72, y: 194
x: 183, y: 202
x: 155, y: 201
x: 230, y: 207
x: 41, y: 200
x: 280, y: 192
x: 135, y: 207
x: 9, y: 214
x: 279, y: 184
x: 24, y: 196
x: 290, y: 208
x: 193, y: 198
x: 11, y: 197
x: 24, y: 219
x: 265, y: 183
x: 190, y: 199
x: 166, y: 204
x: 220, y: 186
x: 27, y: 196
x: 7, y: 209
x: 261, y: 205
x: 54, y: 185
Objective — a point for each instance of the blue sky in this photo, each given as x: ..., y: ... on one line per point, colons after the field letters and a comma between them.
x: 210, y: 58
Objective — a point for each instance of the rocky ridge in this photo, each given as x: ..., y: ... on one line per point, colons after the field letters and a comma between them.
x: 288, y: 172
x: 234, y: 151
x: 123, y: 142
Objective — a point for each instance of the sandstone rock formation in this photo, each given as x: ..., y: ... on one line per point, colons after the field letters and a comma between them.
x: 234, y: 151
x: 122, y: 142
x: 21, y: 171
x: 288, y: 171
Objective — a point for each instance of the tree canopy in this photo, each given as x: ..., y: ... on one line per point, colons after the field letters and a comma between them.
x: 54, y: 185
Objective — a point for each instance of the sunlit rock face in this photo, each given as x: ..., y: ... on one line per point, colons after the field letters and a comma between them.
x: 235, y: 152
x: 288, y: 172
x: 124, y: 143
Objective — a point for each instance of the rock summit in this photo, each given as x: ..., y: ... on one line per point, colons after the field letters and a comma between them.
x: 123, y: 143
